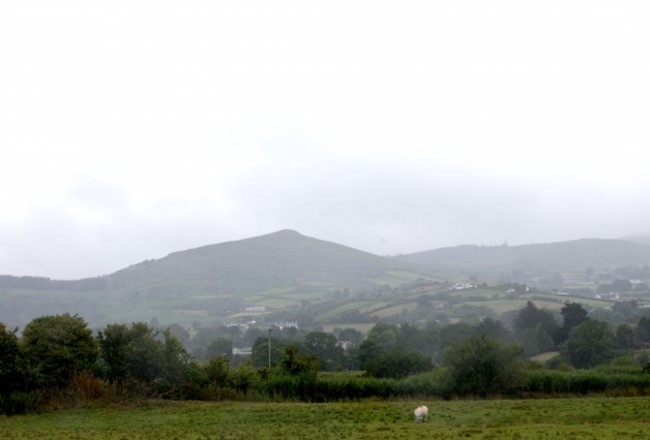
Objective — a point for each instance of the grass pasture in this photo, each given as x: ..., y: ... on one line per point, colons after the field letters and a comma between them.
x: 599, y: 418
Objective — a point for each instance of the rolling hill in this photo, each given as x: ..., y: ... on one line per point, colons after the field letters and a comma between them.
x: 283, y: 258
x: 287, y: 271
x: 490, y: 262
x: 209, y: 283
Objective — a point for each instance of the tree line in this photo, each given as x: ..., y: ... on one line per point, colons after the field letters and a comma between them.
x: 60, y: 357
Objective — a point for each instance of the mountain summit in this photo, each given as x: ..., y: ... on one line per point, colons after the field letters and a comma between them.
x: 282, y: 258
x: 285, y: 270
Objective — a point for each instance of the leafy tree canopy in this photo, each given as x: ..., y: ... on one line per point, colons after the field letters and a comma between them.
x: 56, y: 347
x: 589, y: 344
x: 573, y: 314
x: 398, y: 364
x: 11, y: 361
x: 483, y: 365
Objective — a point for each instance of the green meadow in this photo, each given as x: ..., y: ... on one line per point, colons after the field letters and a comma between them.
x: 599, y: 418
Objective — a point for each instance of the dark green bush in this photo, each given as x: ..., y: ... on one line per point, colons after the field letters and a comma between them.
x: 398, y: 365
x: 484, y: 366
x: 583, y: 381
x: 19, y: 402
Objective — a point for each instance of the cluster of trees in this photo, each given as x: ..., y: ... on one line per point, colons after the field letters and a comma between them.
x: 54, y: 352
x: 392, y: 350
x: 583, y: 341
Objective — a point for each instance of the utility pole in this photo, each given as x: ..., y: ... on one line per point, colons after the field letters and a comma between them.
x: 269, y: 348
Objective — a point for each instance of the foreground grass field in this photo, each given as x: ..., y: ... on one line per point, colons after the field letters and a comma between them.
x: 579, y: 418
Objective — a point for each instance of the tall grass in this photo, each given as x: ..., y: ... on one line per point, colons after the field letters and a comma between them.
x: 85, y: 390
x: 586, y: 381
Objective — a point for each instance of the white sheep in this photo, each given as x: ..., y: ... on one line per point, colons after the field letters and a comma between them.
x: 421, y: 413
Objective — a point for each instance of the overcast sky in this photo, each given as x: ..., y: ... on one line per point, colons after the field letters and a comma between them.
x: 132, y: 129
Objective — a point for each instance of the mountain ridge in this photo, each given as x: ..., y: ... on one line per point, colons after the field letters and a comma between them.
x: 544, y: 257
x: 285, y: 270
x: 284, y: 237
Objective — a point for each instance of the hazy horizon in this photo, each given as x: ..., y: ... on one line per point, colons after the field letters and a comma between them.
x: 130, y: 130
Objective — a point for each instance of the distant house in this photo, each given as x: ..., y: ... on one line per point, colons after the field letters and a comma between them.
x: 285, y: 324
x: 241, y: 351
x: 612, y: 296
x: 463, y: 286
x: 346, y: 345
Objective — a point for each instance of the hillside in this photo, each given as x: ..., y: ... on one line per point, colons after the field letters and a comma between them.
x: 283, y: 258
x: 273, y: 271
x: 286, y: 275
x: 488, y: 263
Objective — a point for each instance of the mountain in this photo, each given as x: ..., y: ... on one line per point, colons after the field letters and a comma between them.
x: 288, y: 273
x: 492, y: 261
x: 273, y: 271
x: 639, y: 238
x: 282, y: 258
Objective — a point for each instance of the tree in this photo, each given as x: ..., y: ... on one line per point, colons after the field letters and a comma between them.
x: 573, y: 314
x: 260, y: 352
x: 398, y: 364
x: 217, y: 371
x: 219, y: 347
x: 494, y: 329
x: 351, y: 334
x: 535, y: 340
x: 643, y: 330
x: 589, y: 344
x: 452, y: 333
x: 323, y: 346
x: 381, y: 338
x: 175, y: 360
x: 11, y: 362
x: 626, y: 309
x: 624, y: 337
x: 252, y: 335
x: 530, y: 316
x: 483, y: 365
x: 57, y: 347
x: 142, y: 353
x: 385, y: 335
x: 535, y: 328
x: 368, y: 350
x: 13, y: 376
x: 113, y: 347
x: 180, y: 333
x: 297, y: 365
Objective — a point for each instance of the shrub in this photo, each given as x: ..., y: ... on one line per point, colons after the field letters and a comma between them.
x: 583, y: 381
x: 19, y: 402
x: 397, y: 365
x: 483, y: 366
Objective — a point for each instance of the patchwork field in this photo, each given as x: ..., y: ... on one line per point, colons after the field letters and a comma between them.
x: 579, y: 418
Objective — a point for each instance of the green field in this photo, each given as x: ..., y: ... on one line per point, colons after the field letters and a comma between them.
x: 570, y: 418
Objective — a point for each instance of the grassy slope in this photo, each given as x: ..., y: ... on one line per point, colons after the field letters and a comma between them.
x: 288, y: 270
x: 210, y: 283
x: 281, y: 259
x: 584, y: 418
x: 488, y: 262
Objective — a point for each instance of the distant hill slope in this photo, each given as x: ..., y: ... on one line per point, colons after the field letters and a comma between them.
x: 488, y: 262
x: 282, y: 271
x: 639, y: 238
x: 282, y: 258
x: 277, y: 270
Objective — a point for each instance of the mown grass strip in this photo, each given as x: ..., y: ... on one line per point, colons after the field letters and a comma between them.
x: 580, y: 418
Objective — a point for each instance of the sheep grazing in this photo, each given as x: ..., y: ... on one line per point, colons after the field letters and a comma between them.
x: 421, y: 413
